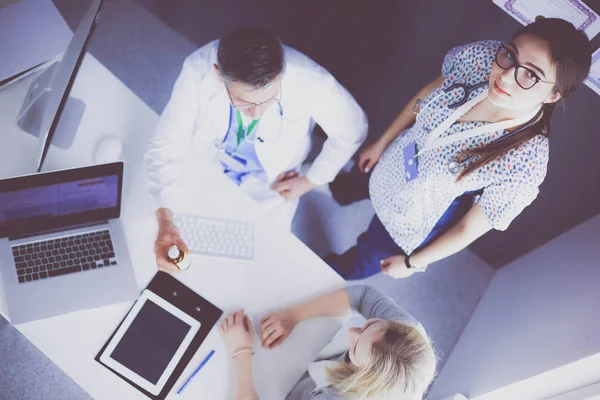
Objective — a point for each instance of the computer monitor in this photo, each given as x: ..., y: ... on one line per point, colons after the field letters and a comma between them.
x: 47, y: 97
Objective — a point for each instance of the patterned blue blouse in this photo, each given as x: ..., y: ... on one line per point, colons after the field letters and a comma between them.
x: 410, y: 210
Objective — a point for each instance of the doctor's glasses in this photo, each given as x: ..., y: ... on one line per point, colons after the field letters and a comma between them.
x: 247, y: 106
x: 525, y: 77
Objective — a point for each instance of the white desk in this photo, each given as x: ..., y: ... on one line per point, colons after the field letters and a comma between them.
x: 284, y: 271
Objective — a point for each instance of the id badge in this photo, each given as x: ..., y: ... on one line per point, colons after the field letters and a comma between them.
x: 411, y: 170
x: 232, y: 163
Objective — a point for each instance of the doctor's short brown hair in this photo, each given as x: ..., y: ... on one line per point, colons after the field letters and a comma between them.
x: 251, y: 55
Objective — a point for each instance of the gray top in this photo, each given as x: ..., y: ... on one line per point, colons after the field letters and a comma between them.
x: 371, y: 304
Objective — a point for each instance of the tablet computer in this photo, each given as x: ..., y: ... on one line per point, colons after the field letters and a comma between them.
x: 159, y: 336
x: 150, y: 342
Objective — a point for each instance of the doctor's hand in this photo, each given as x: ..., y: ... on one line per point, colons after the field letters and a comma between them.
x: 237, y: 333
x: 284, y: 176
x: 293, y: 188
x: 276, y: 327
x: 168, y: 235
x: 395, y: 267
x: 370, y: 156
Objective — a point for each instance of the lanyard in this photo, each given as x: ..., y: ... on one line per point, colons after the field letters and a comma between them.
x: 240, y: 134
x: 434, y: 140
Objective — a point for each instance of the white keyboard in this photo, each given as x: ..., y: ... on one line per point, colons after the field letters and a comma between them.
x: 217, y: 238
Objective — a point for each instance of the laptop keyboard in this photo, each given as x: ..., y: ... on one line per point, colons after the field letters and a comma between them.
x: 66, y: 255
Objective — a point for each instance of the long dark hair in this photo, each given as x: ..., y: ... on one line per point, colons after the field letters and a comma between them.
x: 571, y: 54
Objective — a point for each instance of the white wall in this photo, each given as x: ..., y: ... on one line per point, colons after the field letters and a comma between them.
x: 539, y: 313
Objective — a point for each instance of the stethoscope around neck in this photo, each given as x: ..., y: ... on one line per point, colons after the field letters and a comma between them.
x: 455, y: 166
x: 467, y: 90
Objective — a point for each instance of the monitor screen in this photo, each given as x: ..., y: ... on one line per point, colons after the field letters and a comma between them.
x: 58, y: 200
x: 66, y: 198
x: 46, y: 115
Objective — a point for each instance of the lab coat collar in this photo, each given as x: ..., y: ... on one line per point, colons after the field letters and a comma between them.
x: 212, y: 87
x: 215, y: 99
x: 218, y: 103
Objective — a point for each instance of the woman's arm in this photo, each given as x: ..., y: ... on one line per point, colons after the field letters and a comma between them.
x: 406, y: 116
x: 361, y: 298
x: 244, y: 383
x: 237, y: 333
x: 371, y: 154
x: 371, y: 303
x: 277, y: 326
x: 471, y: 227
x: 334, y: 304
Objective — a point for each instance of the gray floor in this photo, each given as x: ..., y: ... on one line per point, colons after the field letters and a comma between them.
x: 127, y: 41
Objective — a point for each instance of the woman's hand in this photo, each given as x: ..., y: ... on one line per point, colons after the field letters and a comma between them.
x: 276, y: 327
x: 370, y: 156
x: 237, y: 332
x: 395, y: 267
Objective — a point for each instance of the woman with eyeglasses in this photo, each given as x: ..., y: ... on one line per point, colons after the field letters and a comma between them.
x: 466, y: 155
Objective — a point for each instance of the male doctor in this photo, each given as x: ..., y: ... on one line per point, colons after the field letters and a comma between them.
x: 249, y: 104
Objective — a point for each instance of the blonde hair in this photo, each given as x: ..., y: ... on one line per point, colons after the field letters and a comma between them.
x: 401, y: 366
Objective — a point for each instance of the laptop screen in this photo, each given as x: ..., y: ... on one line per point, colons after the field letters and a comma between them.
x: 60, y: 199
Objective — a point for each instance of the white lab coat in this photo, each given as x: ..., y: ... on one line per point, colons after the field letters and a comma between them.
x: 196, y: 119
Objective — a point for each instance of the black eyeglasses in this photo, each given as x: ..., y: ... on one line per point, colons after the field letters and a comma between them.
x: 525, y: 77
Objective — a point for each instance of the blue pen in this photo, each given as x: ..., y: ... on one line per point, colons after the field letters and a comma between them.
x: 202, y: 364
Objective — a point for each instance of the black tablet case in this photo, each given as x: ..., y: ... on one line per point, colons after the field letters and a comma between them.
x: 164, y: 285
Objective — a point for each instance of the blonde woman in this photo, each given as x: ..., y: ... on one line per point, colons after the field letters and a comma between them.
x: 389, y: 357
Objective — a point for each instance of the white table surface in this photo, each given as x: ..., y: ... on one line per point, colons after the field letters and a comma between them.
x: 284, y: 271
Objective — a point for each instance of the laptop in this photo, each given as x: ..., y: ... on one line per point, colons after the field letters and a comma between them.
x: 62, y: 244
